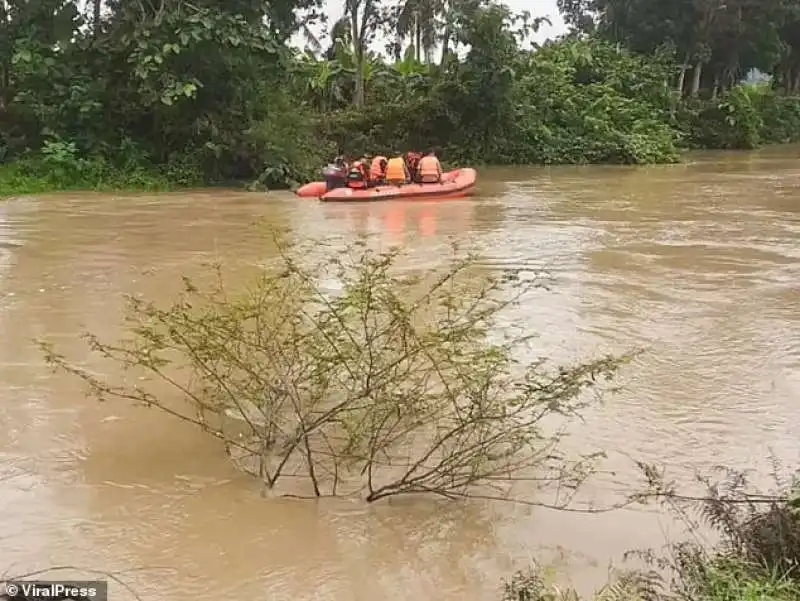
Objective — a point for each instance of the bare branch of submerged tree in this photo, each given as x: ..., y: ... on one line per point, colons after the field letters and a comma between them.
x: 731, y: 487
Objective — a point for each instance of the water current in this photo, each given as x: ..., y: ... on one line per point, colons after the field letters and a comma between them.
x: 697, y: 263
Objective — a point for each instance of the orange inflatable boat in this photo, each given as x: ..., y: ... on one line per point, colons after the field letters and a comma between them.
x: 455, y: 184
x: 312, y: 190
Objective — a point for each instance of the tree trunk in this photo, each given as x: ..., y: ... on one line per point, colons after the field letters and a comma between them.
x: 696, y: 75
x: 358, y: 55
x: 682, y: 75
x: 417, y: 39
x: 358, y: 97
x: 447, y: 34
x: 445, y: 43
x: 96, y: 6
x: 681, y: 81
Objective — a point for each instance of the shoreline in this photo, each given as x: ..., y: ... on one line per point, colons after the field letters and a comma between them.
x: 151, y: 181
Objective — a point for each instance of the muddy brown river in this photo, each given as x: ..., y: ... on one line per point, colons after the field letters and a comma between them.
x: 699, y: 263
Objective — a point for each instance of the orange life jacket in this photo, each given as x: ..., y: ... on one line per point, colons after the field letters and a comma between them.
x: 377, y: 170
x: 396, y: 172
x: 430, y: 170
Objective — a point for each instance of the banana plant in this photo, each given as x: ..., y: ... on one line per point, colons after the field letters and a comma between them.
x: 329, y: 83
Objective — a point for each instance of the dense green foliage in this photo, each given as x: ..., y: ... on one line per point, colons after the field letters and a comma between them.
x: 149, y: 94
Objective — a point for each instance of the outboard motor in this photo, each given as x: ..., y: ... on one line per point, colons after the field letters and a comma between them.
x: 335, y: 177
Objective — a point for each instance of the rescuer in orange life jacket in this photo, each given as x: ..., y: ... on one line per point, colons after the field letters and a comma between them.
x: 397, y: 171
x: 377, y: 171
x: 358, y: 174
x: 430, y: 169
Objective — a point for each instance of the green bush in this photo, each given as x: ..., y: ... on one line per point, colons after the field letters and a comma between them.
x: 732, y: 121
x: 781, y: 118
x: 58, y: 166
x: 746, y: 117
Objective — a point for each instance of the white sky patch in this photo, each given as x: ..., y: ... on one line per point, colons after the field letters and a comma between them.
x: 542, y: 8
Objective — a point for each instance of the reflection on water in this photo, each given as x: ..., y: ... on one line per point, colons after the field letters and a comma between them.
x: 399, y: 221
x: 696, y: 263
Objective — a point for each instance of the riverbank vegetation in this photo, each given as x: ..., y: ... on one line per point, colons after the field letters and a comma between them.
x: 742, y: 546
x: 58, y: 166
x: 142, y: 94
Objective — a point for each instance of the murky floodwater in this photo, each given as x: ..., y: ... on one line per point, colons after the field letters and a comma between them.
x: 699, y: 263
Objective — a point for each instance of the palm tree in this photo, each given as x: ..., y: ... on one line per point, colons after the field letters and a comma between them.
x: 340, y: 37
x: 419, y: 20
x: 362, y: 18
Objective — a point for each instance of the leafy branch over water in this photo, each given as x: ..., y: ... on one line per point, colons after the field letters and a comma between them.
x: 397, y: 384
x: 393, y: 385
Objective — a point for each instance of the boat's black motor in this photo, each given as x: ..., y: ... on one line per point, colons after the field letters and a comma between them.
x: 335, y: 177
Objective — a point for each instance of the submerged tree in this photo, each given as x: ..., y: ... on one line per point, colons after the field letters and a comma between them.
x: 392, y: 385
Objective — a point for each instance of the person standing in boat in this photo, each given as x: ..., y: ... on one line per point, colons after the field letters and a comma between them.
x: 430, y: 169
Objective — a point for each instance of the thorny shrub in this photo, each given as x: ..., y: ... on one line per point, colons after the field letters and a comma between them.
x: 393, y: 385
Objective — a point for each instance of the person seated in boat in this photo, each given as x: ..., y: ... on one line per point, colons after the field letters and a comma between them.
x: 397, y: 171
x: 377, y: 171
x: 430, y: 169
x: 412, y: 161
x: 358, y: 174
